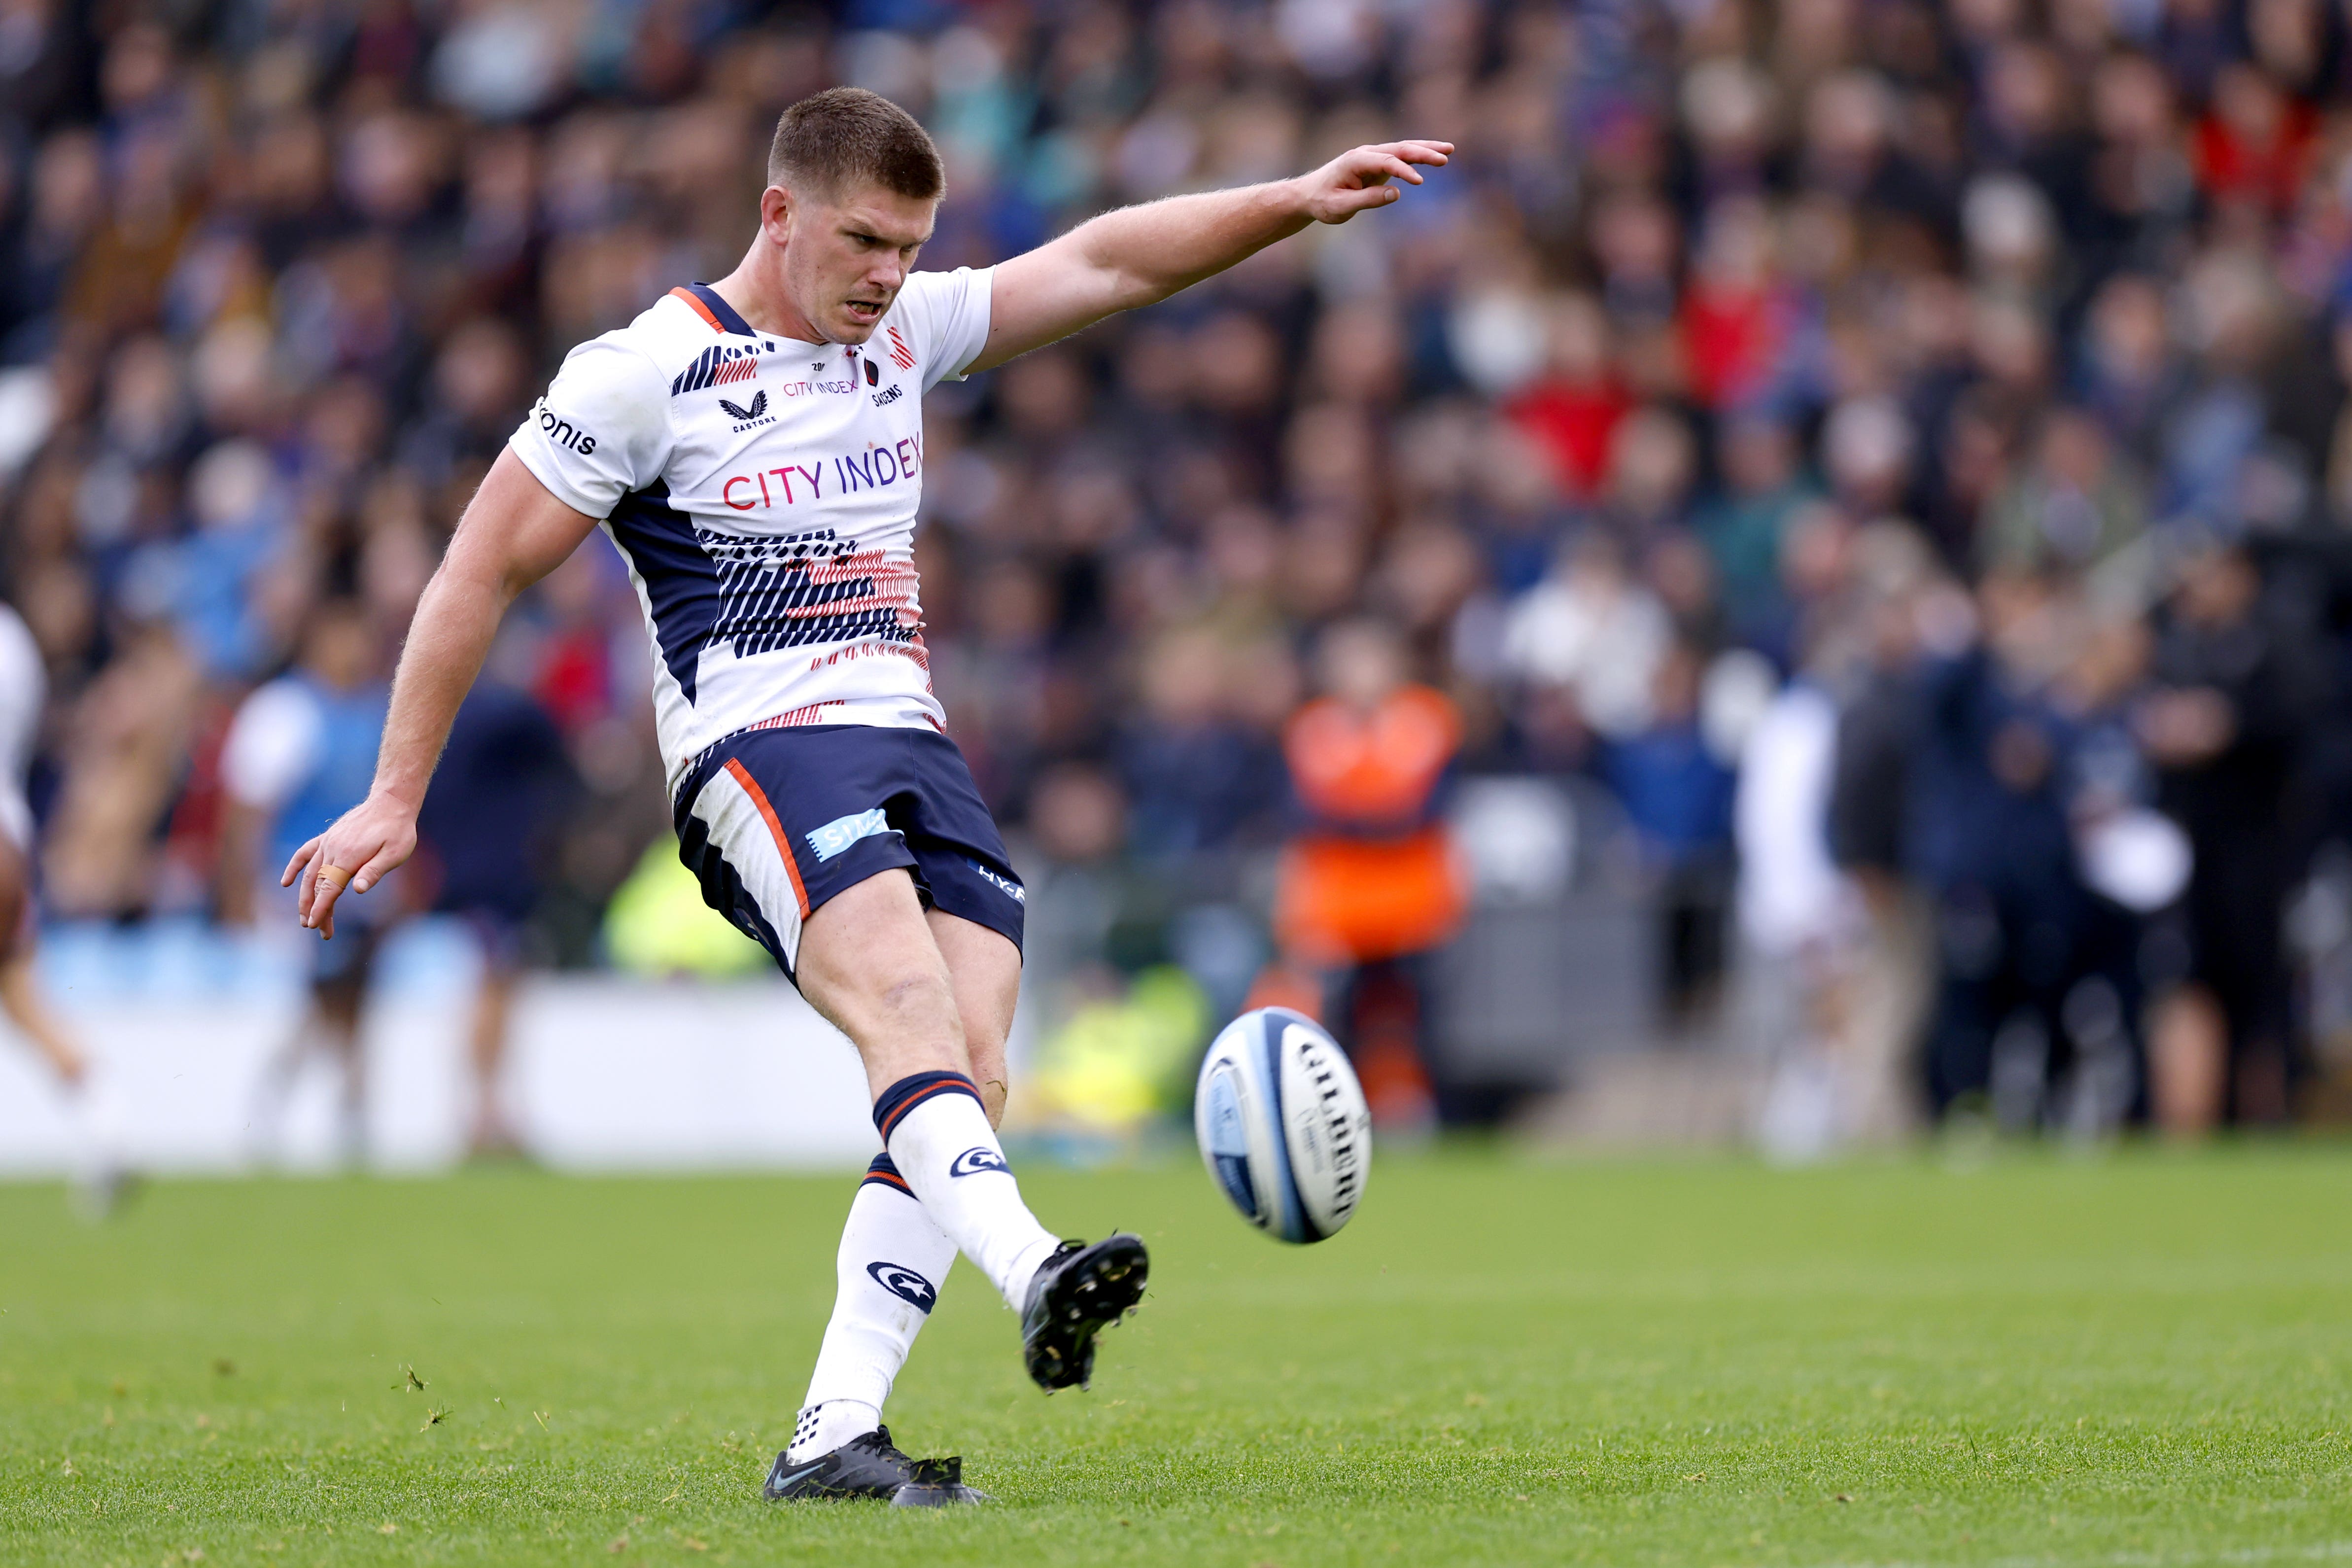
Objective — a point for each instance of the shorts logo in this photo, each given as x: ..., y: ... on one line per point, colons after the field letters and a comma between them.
x: 972, y: 1161
x: 843, y: 831
x: 906, y: 1284
x: 1005, y: 885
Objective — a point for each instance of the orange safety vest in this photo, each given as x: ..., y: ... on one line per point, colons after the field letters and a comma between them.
x: 1397, y: 886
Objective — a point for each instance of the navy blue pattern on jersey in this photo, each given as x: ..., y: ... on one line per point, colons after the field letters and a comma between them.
x: 806, y: 588
x: 724, y: 313
x: 681, y: 583
x: 720, y: 362
x: 716, y: 366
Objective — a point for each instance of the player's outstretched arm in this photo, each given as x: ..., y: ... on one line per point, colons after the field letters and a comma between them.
x: 513, y: 534
x: 1140, y: 255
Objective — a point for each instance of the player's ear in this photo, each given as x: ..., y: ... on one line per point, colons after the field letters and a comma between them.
x: 775, y: 214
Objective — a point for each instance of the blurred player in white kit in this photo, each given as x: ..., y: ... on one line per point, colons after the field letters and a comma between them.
x: 24, y: 688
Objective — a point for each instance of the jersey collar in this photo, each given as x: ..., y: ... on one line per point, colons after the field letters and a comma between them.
x: 707, y: 302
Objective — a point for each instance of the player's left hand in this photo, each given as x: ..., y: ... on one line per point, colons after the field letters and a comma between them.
x: 1359, y: 178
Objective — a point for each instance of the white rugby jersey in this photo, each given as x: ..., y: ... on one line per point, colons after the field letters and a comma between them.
x: 24, y: 687
x: 762, y: 491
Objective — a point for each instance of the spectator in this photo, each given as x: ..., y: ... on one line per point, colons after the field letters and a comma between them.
x: 2238, y: 686
x: 2075, y: 507
x: 1746, y: 526
x: 1678, y: 794
x: 1196, y: 779
x: 1586, y: 643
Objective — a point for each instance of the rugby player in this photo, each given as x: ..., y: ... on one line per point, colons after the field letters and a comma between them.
x: 754, y: 448
x: 98, y: 1181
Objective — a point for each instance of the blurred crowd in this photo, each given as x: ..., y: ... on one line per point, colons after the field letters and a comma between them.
x: 1900, y: 450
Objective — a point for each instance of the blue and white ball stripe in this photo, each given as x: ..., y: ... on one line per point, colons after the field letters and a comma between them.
x: 1283, y: 1125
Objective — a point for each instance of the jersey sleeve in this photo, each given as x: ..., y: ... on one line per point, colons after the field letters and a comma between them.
x: 273, y: 745
x: 938, y: 323
x: 601, y: 430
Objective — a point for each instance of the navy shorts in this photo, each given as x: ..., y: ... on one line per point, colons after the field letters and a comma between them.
x: 775, y: 822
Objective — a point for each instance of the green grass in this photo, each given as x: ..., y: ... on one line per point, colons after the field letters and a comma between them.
x: 2141, y: 1359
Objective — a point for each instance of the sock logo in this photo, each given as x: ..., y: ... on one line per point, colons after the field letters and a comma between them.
x: 906, y: 1284
x: 971, y: 1162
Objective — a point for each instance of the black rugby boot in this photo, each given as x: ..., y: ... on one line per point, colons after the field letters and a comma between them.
x: 1079, y: 1292
x: 870, y: 1466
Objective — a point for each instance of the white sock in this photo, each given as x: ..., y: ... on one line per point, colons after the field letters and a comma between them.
x: 90, y: 1116
x: 939, y: 1136
x: 77, y: 1109
x: 822, y: 1428
x: 892, y: 1263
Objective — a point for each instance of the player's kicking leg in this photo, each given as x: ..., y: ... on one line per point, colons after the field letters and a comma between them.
x: 929, y: 988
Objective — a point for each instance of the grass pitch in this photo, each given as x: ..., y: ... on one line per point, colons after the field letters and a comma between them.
x: 2142, y: 1359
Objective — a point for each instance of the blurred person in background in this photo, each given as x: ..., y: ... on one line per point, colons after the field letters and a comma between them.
x: 485, y: 836
x: 2238, y: 686
x: 1196, y: 779
x: 124, y: 759
x: 1118, y: 1028
x: 98, y: 1179
x: 1799, y: 925
x: 2075, y: 507
x: 2039, y: 970
x: 1586, y: 642
x: 1904, y: 615
x: 301, y: 751
x: 1370, y: 881
x: 1678, y: 794
x: 1747, y: 526
x: 1084, y: 891
x: 2134, y: 863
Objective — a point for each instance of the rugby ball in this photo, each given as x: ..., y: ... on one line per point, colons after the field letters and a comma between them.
x: 1283, y: 1125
